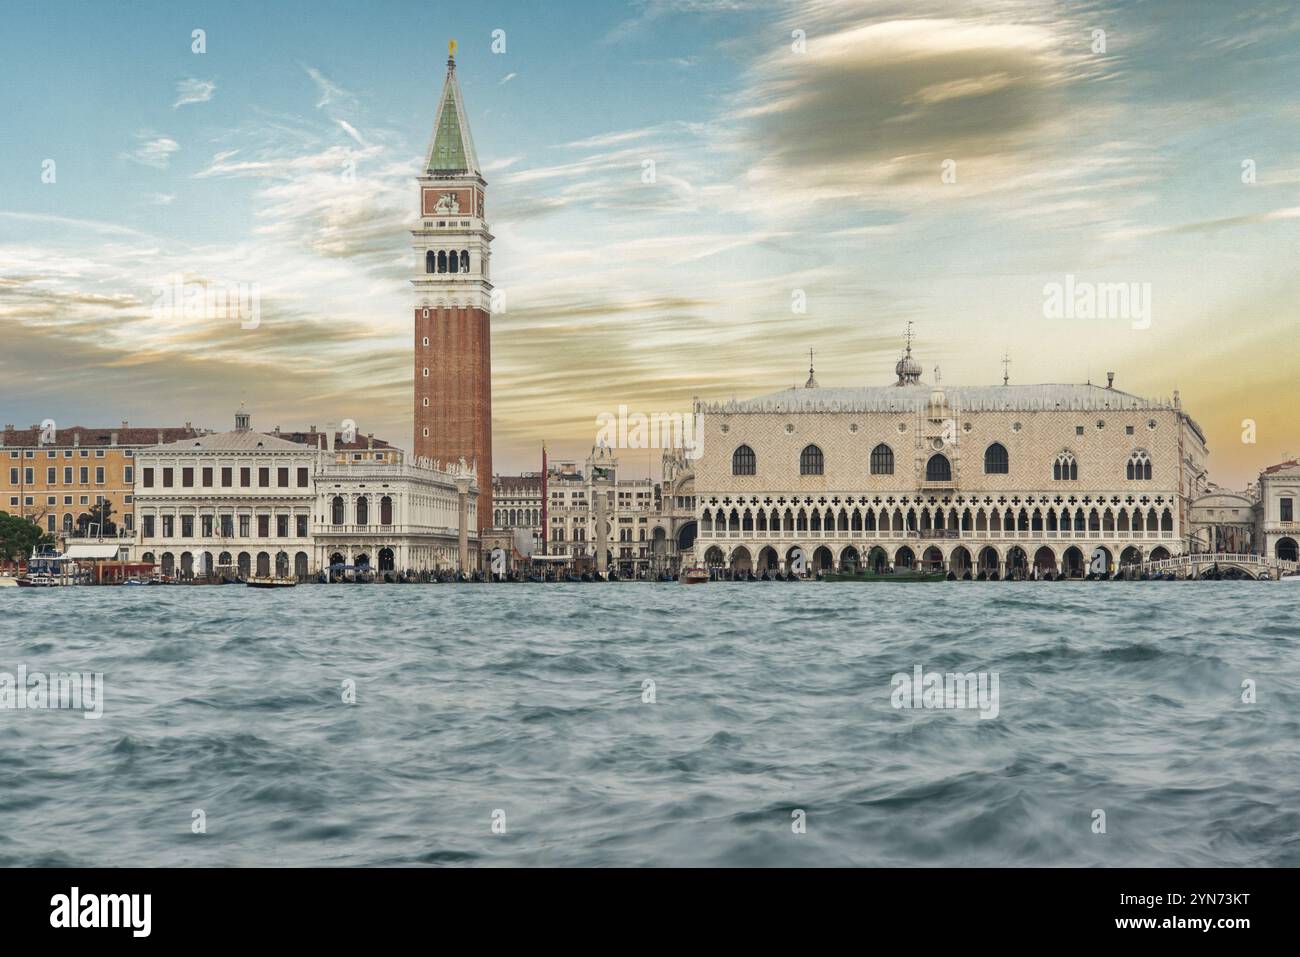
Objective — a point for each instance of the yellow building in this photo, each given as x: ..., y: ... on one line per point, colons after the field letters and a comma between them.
x: 53, y: 476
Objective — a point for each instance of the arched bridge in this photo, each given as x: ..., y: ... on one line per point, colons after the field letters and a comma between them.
x: 1213, y: 564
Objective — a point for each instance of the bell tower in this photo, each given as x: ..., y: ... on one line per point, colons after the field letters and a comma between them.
x: 453, y: 298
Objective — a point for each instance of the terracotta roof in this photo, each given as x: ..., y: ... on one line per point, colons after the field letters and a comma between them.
x: 1281, y: 466
x: 95, y: 437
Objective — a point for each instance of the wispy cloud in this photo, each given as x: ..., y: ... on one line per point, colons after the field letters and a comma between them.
x: 351, y: 131
x: 507, y: 78
x: 193, y: 91
x: 154, y: 150
x: 330, y: 92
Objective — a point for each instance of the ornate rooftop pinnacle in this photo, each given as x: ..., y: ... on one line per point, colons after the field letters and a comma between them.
x: 451, y: 149
x: 908, y: 369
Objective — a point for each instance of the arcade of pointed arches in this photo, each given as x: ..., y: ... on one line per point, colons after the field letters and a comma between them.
x: 986, y: 560
x: 1058, y: 515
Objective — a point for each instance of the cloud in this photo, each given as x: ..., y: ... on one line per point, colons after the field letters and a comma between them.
x: 193, y: 91
x: 869, y: 113
x: 507, y: 78
x: 330, y: 92
x: 155, y: 151
x: 351, y: 131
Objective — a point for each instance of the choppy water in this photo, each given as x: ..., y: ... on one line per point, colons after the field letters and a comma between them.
x: 769, y: 697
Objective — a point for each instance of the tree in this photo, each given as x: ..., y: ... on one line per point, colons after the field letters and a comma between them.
x: 100, y: 514
x: 18, y: 537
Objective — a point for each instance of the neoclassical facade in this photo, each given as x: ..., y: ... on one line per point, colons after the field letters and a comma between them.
x: 250, y: 503
x: 393, y: 515
x: 1276, y: 529
x: 1009, y: 480
x: 224, y: 503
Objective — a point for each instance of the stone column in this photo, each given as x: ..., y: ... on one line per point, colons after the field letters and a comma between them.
x: 602, y: 533
x: 462, y: 499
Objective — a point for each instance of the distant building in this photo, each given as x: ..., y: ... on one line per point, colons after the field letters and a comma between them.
x: 517, y: 506
x: 379, y: 508
x: 1002, y: 479
x: 453, y: 298
x: 1224, y: 521
x: 581, y: 505
x: 291, y: 503
x: 223, y: 503
x: 52, y: 477
x: 1276, y: 529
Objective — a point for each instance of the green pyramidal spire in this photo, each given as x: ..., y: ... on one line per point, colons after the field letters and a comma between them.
x: 451, y: 151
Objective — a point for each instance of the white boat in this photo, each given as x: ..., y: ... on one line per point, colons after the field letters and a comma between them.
x: 8, y: 581
x: 38, y: 581
x: 272, y: 581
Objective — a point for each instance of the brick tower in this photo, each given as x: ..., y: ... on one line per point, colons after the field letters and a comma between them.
x: 453, y: 298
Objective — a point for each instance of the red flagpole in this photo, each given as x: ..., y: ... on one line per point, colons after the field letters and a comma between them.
x: 545, y: 497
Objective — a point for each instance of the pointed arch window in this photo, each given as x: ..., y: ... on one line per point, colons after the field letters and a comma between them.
x: 996, y: 461
x: 743, y: 461
x: 1139, y: 466
x: 811, y: 461
x: 1065, y: 468
x: 882, y: 460
x: 938, y: 469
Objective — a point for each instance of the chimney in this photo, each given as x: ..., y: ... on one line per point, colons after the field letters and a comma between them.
x: 76, y: 438
x: 112, y: 438
x: 329, y: 439
x: 313, y: 430
x: 124, y: 425
x: 370, y: 440
x: 161, y: 438
x: 1110, y: 379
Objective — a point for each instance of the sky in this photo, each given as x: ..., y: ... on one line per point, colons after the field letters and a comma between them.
x: 824, y: 172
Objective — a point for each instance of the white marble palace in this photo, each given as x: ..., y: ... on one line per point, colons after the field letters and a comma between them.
x: 1003, y: 480
x: 243, y: 502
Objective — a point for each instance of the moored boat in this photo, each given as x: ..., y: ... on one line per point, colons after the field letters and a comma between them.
x: 695, y: 575
x: 898, y: 575
x: 272, y: 581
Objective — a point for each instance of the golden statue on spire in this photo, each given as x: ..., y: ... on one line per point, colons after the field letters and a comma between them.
x: 451, y: 48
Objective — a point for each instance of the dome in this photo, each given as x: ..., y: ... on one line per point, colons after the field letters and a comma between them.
x: 908, y: 369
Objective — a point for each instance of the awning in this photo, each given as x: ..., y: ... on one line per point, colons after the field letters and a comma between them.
x: 104, y: 550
